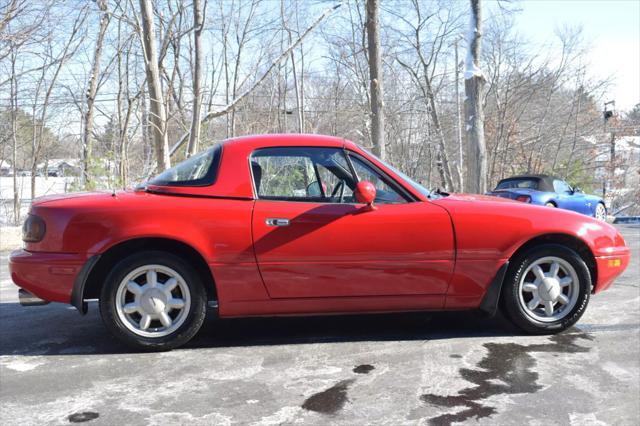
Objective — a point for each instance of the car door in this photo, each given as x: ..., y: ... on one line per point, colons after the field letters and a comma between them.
x: 579, y: 202
x: 569, y: 199
x: 563, y: 197
x: 311, y: 238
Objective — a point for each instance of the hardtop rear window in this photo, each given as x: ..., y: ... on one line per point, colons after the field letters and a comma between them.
x: 530, y: 183
x: 199, y: 170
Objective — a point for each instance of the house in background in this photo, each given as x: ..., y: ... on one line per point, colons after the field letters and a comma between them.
x: 5, y: 168
x: 59, y: 167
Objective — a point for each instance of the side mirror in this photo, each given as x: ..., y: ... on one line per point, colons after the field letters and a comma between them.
x: 577, y: 190
x: 365, y: 193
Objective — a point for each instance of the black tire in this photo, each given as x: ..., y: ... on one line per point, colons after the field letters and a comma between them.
x: 194, y: 317
x: 510, y: 302
x: 550, y: 204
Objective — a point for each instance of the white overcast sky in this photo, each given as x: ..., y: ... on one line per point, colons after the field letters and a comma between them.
x: 611, y: 26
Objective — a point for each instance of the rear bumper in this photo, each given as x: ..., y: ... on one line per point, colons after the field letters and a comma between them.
x: 609, y: 268
x: 48, y: 276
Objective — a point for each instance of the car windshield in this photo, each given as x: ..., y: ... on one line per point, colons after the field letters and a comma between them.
x: 421, y: 189
x: 199, y: 170
x: 518, y: 183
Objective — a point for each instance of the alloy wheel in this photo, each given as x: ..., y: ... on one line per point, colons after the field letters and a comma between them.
x: 548, y: 289
x: 153, y: 301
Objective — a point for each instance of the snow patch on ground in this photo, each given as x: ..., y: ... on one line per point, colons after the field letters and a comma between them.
x: 585, y: 419
x: 188, y: 419
x: 285, y: 415
x: 21, y: 364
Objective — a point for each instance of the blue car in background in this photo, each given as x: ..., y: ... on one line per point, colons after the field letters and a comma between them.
x: 550, y: 191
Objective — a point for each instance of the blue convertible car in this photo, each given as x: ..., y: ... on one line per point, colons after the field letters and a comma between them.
x: 550, y: 191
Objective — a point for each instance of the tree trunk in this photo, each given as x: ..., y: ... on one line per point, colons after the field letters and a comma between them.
x: 14, y: 136
x: 459, y: 126
x: 476, y: 179
x: 443, y: 158
x: 158, y: 117
x: 91, y: 94
x: 194, y: 137
x: 375, y: 78
x: 296, y: 87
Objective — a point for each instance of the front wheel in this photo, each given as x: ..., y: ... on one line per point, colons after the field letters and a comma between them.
x: 601, y: 212
x: 547, y: 289
x: 153, y: 301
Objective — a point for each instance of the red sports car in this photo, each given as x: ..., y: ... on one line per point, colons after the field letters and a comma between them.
x: 301, y: 224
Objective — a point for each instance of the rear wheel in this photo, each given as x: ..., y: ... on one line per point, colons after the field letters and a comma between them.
x: 549, y: 204
x: 547, y: 289
x: 153, y: 301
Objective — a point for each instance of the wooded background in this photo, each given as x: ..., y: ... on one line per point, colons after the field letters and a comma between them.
x: 127, y: 87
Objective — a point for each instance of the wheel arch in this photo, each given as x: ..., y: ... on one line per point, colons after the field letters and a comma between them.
x: 493, y: 295
x: 89, y: 286
x: 574, y: 243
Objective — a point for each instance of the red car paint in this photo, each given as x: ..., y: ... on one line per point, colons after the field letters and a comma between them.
x: 423, y: 255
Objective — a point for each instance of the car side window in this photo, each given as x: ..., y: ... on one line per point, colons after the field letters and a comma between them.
x: 561, y: 187
x: 302, y: 174
x: 332, y: 183
x: 385, y: 194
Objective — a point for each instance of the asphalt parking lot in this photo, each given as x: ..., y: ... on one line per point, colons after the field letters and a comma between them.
x: 57, y: 367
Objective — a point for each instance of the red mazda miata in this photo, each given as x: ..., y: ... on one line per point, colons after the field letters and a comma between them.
x: 301, y: 224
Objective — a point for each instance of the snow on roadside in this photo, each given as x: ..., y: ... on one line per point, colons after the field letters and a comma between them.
x: 44, y: 186
x: 10, y: 238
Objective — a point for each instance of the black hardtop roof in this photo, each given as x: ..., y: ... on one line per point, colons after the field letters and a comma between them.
x: 531, y: 176
x: 545, y: 182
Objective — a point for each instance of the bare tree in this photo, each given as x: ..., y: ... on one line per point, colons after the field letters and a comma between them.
x: 56, y: 63
x: 246, y: 63
x: 198, y: 22
x: 158, y: 113
x: 375, y: 78
x: 242, y: 96
x: 460, y: 165
x: 422, y: 66
x: 297, y: 81
x: 92, y: 91
x: 14, y: 133
x: 476, y: 177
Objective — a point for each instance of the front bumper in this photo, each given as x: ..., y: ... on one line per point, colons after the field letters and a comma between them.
x: 48, y: 276
x: 610, y: 267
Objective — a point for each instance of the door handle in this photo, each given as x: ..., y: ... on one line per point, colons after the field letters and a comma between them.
x: 277, y: 222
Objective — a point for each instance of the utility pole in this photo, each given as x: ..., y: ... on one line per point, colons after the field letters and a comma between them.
x: 609, y: 113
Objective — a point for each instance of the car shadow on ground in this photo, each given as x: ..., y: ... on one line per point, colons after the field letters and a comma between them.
x: 59, y: 330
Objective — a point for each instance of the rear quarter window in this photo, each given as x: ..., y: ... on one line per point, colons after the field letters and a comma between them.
x: 199, y: 170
